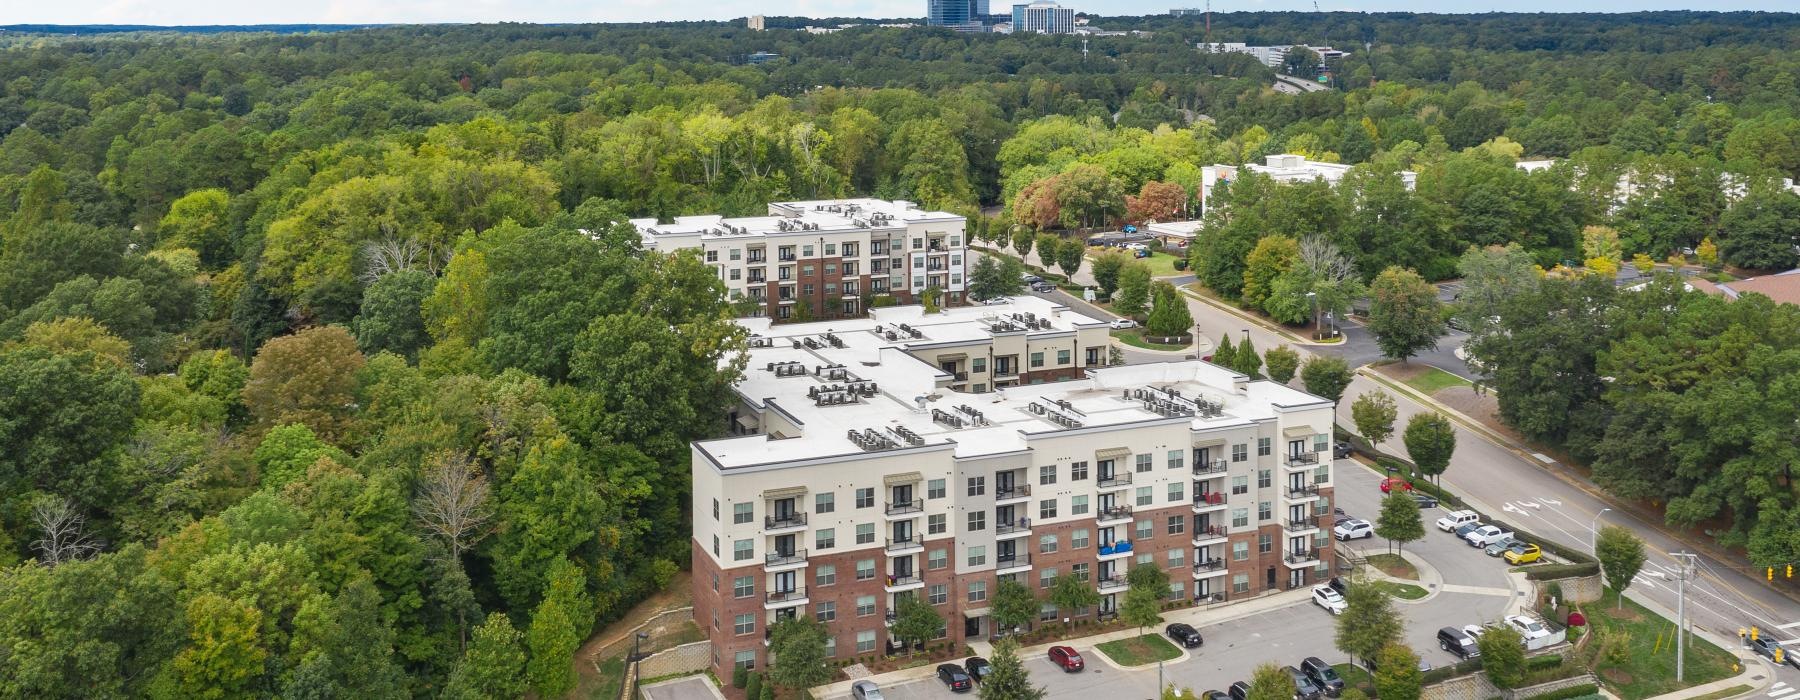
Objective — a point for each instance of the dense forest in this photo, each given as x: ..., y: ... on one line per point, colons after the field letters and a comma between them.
x: 327, y: 362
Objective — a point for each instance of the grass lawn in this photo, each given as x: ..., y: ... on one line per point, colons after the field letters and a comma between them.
x: 1650, y: 671
x: 1433, y: 379
x: 1135, y: 338
x: 1394, y: 565
x: 1403, y: 591
x: 1355, y: 677
x: 1137, y: 651
x: 612, y: 674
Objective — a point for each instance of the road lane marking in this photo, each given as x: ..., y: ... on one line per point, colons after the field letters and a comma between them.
x: 1783, y: 694
x: 1530, y: 504
x: 1788, y: 626
x: 1552, y: 501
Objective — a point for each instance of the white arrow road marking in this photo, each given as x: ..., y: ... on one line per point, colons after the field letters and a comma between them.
x: 1530, y: 504
x: 1551, y: 501
x: 1788, y: 626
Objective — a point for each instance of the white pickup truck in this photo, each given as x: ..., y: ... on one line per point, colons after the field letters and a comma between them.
x: 1485, y: 535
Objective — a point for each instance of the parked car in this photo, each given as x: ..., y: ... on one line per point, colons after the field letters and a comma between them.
x: 1473, y: 630
x: 1214, y: 695
x: 1498, y: 548
x: 1340, y: 519
x: 1393, y: 482
x: 1353, y: 529
x: 1339, y: 585
x: 1042, y: 286
x: 1029, y: 278
x: 1457, y: 518
x: 1424, y: 501
x: 1122, y: 323
x: 865, y: 690
x: 1766, y: 648
x: 1527, y: 627
x: 1485, y: 535
x: 978, y: 668
x: 1323, y: 675
x: 1067, y: 658
x: 1326, y: 597
x: 1238, y: 691
x: 1523, y: 554
x: 1184, y: 634
x: 955, y: 678
x: 997, y: 300
x: 1340, y: 449
x: 1304, y: 688
x: 1466, y: 529
x: 1459, y: 643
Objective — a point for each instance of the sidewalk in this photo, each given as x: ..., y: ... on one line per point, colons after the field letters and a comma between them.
x: 1251, y: 318
x: 1196, y: 616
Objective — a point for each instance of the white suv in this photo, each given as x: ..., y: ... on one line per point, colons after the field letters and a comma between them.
x: 1457, y: 518
x: 1353, y: 530
x: 1327, y: 598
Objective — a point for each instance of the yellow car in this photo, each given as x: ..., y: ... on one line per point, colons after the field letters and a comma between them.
x: 1523, y: 554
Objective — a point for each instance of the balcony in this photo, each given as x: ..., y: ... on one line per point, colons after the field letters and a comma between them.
x: 1113, y: 514
x: 1116, y: 550
x: 1012, y: 493
x: 1014, y: 528
x: 782, y: 599
x: 1006, y: 370
x: 1209, y: 501
x: 784, y: 522
x: 1212, y: 534
x: 1302, y: 461
x: 888, y: 619
x: 1115, y: 480
x: 1012, y: 564
x: 904, y: 582
x: 783, y: 561
x: 1115, y: 583
x: 785, y: 257
x: 1213, y: 468
x: 1209, y: 568
x: 901, y: 510
x: 755, y: 257
x: 1301, y: 558
x: 1301, y: 526
x: 1300, y: 494
x: 905, y: 544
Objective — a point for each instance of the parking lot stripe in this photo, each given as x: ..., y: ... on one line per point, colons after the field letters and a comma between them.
x: 1788, y: 626
x: 1784, y: 694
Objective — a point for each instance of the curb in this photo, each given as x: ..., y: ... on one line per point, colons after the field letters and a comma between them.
x: 1142, y: 667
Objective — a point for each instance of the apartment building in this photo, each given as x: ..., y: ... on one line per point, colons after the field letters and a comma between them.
x: 861, y: 475
x: 1285, y: 167
x: 825, y: 259
x: 1043, y: 17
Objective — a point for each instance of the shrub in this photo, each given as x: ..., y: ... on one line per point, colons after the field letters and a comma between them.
x: 1549, y: 572
x: 1536, y: 663
x: 1569, y: 693
x: 753, y: 688
x: 739, y: 677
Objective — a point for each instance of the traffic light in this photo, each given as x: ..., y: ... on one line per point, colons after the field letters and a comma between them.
x: 1754, y: 632
x: 1790, y: 571
x: 1771, y: 573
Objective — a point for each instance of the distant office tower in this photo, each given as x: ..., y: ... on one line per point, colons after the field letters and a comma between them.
x: 755, y: 23
x: 961, y: 15
x: 1186, y: 12
x: 1043, y: 17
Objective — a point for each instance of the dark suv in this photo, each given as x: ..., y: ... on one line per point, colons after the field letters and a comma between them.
x: 1184, y: 634
x: 978, y: 668
x: 955, y: 678
x: 1238, y: 691
x: 1304, y: 688
x: 1323, y: 675
x: 1458, y: 643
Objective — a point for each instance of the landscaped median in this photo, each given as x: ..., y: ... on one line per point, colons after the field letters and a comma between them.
x: 1135, y: 338
x: 1141, y: 650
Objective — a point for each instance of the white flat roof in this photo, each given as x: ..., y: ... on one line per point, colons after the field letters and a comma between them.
x: 797, y: 219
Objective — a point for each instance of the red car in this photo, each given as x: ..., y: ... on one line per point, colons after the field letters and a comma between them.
x: 1067, y: 658
x: 1393, y: 482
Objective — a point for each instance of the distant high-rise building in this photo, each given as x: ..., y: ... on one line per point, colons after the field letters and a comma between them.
x: 961, y: 15
x: 1186, y: 12
x: 755, y: 23
x: 1043, y: 17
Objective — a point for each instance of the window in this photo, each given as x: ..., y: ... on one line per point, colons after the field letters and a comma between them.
x: 937, y: 594
x: 745, y: 660
x: 744, y: 624
x: 1145, y: 495
x: 826, y: 539
x: 1240, y: 551
x: 934, y: 489
x: 715, y: 580
x: 937, y: 559
x: 743, y: 587
x: 1320, y: 442
x: 1143, y: 462
x: 737, y: 254
x: 1177, y: 459
x: 1240, y: 517
x: 1079, y: 571
x: 1078, y: 539
x: 865, y: 498
x: 978, y: 364
x: 736, y: 273
x: 742, y: 550
x: 1240, y: 583
x: 1037, y: 359
x: 865, y: 533
x: 1047, y: 475
x: 712, y: 256
x: 715, y: 509
x: 742, y: 513
x: 1078, y: 471
x: 831, y: 249
x: 1047, y: 544
x: 1262, y: 447
x: 1145, y: 529
x: 865, y: 569
x: 977, y: 485
x: 977, y: 520
x: 1146, y: 559
x: 865, y: 605
x: 1240, y: 452
x: 977, y: 555
x: 1264, y: 479
x: 1047, y: 509
x: 1062, y: 357
x: 831, y: 643
x: 1047, y: 612
x: 1177, y: 491
x: 937, y: 524
x: 1264, y: 512
x: 1046, y: 578
x: 1240, y: 485
x: 1264, y: 543
x: 1322, y: 474
x: 918, y: 243
x: 1078, y: 505
x: 1177, y: 524
x: 825, y: 575
x: 826, y: 611
x: 1178, y: 556
x: 865, y: 641
x: 977, y: 591
x: 824, y: 502
x: 715, y: 545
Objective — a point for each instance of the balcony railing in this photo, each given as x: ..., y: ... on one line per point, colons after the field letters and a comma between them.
x: 1206, y: 565
x: 962, y: 376
x: 905, y: 543
x: 785, y: 257
x: 1114, y: 513
x: 1216, y: 466
x: 1302, y: 491
x: 906, y: 507
x: 1008, y: 561
x: 1301, y: 556
x: 795, y: 519
x: 1007, y: 527
x: 1209, y: 532
x: 1120, y: 547
x: 797, y: 556
x: 897, y: 580
x: 1301, y: 525
x: 1016, y: 491
x: 1303, y: 459
x: 1108, y: 481
x: 1214, y: 498
x: 756, y: 257
x: 1113, y: 581
x: 795, y: 593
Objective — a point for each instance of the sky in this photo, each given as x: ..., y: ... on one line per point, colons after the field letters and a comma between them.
x: 191, y: 12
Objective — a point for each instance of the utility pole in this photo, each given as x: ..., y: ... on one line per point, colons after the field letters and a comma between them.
x: 1687, y: 572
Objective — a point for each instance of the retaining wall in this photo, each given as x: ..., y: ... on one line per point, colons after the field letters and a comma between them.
x: 1579, y: 589
x: 687, y: 658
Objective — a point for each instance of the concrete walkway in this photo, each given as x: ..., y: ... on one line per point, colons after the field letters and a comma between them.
x: 1429, y: 577
x: 695, y: 687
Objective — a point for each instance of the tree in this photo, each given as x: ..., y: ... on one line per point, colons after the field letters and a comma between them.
x: 1490, y: 276
x: 75, y: 336
x: 1368, y: 623
x: 1502, y: 656
x: 1049, y: 245
x: 1272, y: 257
x: 1013, y: 606
x: 307, y: 378
x: 1007, y: 679
x: 1134, y: 290
x: 1621, y: 555
x: 1108, y: 265
x: 1224, y: 355
x: 798, y: 647
x: 1281, y: 362
x: 65, y: 415
x: 1069, y: 255
x: 1071, y: 594
x: 225, y: 654
x: 1022, y: 241
x: 1169, y: 316
x: 1399, y: 521
x: 1430, y: 440
x: 1707, y: 253
x: 63, y: 529
x: 390, y: 318
x: 1270, y: 682
x: 1404, y: 313
x: 1246, y: 361
x: 558, y: 625
x: 1325, y: 376
x: 550, y: 508
x: 916, y: 622
x: 1149, y: 584
x: 452, y: 505
x: 1762, y: 228
x: 494, y: 664
x: 988, y: 279
x: 1397, y: 675
x: 1374, y: 415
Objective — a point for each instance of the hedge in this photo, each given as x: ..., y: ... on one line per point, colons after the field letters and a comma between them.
x: 1551, y: 572
x: 1542, y: 662
x: 1570, y: 693
x: 1444, y: 673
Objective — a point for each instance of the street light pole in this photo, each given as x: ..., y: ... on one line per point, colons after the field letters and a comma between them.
x: 1594, y: 532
